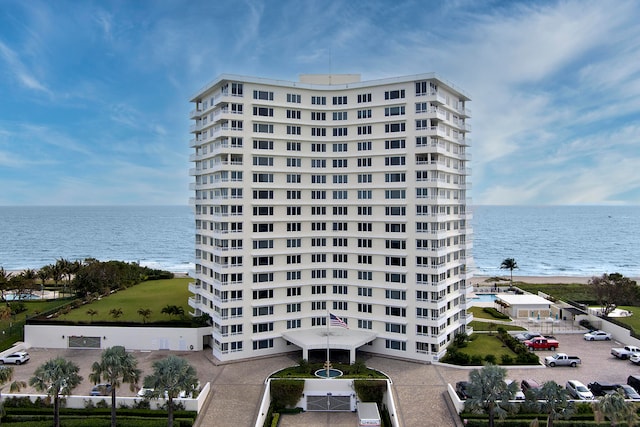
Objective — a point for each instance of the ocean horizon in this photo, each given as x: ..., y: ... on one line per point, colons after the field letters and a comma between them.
x: 544, y: 240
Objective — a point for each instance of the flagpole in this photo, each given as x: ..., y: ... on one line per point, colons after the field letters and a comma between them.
x: 328, y: 322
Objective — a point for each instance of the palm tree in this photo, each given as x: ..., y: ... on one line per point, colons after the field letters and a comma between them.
x: 170, y: 377
x: 91, y: 312
x: 509, y: 264
x: 145, y: 313
x: 490, y: 392
x: 29, y: 277
x: 115, y: 312
x: 57, y: 377
x: 116, y: 366
x: 173, y: 310
x: 553, y: 401
x: 614, y: 407
x: 4, y: 281
x: 6, y: 375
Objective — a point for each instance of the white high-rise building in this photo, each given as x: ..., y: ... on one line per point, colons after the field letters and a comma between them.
x: 331, y: 195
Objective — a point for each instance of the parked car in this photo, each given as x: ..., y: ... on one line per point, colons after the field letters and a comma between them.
x: 17, y: 358
x: 561, y: 359
x: 461, y: 389
x: 629, y: 392
x: 145, y: 392
x: 597, y: 336
x: 634, y: 381
x: 530, y: 384
x: 101, y: 390
x: 578, y: 390
x: 635, y: 359
x: 519, y: 394
x: 525, y: 336
x: 541, y: 343
x: 625, y: 352
x: 599, y: 388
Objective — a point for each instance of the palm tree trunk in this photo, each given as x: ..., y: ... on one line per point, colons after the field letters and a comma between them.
x: 113, y: 406
x: 56, y: 411
x: 170, y: 412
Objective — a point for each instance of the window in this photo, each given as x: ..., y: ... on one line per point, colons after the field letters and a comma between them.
x: 395, y: 345
x: 292, y: 308
x: 294, y: 162
x: 394, y: 294
x: 395, y: 278
x: 340, y: 305
x: 262, y: 94
x: 396, y: 261
x: 396, y: 328
x: 293, y: 114
x: 318, y: 194
x: 337, y: 242
x: 394, y: 177
x: 365, y: 292
x: 318, y: 148
x: 318, y: 115
x: 258, y: 345
x: 263, y: 210
x: 293, y: 146
x: 394, y: 111
x: 318, y: 305
x: 294, y: 243
x: 394, y: 127
x: 364, y: 114
x: 365, y: 275
x: 340, y: 258
x: 340, y: 148
x: 318, y: 210
x: 365, y: 243
x: 394, y: 143
x: 318, y: 226
x: 237, y: 108
x: 318, y: 274
x: 236, y: 124
x: 294, y: 292
x: 263, y: 294
x: 293, y: 178
x: 422, y: 193
x: 425, y: 88
x: 395, y: 161
x: 263, y: 111
x: 421, y: 107
x: 293, y: 324
x: 364, y: 162
x: 395, y: 194
x: 318, y: 131
x: 262, y: 161
x: 339, y: 194
x: 364, y: 178
x: 365, y: 226
x: 294, y: 226
x: 340, y: 210
x: 262, y: 277
x: 396, y: 244
x: 365, y: 259
x: 262, y: 177
x: 262, y: 128
x: 236, y: 89
x: 318, y: 289
x: 294, y: 259
x: 318, y: 179
x: 262, y: 260
x: 365, y: 324
x: 364, y: 130
x: 293, y: 275
x: 395, y: 210
x: 318, y: 258
x: 339, y: 226
x: 319, y: 321
x: 294, y: 210
x: 339, y: 163
x: 294, y: 130
x: 263, y: 228
x: 394, y: 94
x: 339, y: 115
x: 364, y: 146
x: 340, y: 290
x: 422, y: 124
x: 262, y: 145
x: 318, y: 163
x: 365, y: 210
x: 319, y: 100
x: 339, y: 100
x: 365, y: 97
x: 294, y: 194
x: 364, y: 194
x: 318, y: 241
x: 294, y: 98
x: 263, y: 194
x: 340, y: 132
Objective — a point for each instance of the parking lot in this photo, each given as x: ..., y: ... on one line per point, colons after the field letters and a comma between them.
x: 237, y: 387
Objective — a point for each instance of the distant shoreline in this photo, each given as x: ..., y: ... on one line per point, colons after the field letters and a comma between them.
x: 539, y: 279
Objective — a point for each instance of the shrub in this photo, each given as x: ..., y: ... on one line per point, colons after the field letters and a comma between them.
x: 286, y: 392
x: 275, y: 420
x: 495, y: 313
x: 506, y: 359
x: 490, y: 358
x: 370, y: 390
x: 476, y: 359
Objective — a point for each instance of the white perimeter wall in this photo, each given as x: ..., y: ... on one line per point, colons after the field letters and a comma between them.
x: 131, y: 338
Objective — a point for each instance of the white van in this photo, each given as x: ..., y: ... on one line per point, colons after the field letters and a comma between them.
x: 368, y: 415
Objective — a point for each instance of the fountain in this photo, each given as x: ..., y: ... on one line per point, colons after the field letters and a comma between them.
x: 328, y: 372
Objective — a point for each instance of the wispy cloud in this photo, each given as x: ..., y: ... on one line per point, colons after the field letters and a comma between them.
x: 19, y: 71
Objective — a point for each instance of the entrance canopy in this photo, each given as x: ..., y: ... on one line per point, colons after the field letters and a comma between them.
x: 339, y: 338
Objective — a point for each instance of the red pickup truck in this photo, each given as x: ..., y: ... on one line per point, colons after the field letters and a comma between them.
x: 540, y: 343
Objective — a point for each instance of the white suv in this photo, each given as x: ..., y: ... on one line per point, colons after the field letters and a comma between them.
x: 578, y: 390
x: 17, y: 358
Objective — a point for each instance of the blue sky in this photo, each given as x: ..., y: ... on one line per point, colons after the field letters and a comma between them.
x: 94, y: 94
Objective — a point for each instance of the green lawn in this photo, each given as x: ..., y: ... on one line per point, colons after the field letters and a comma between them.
x: 13, y: 329
x: 478, y: 313
x: 563, y: 291
x: 479, y: 326
x: 483, y: 344
x: 154, y: 295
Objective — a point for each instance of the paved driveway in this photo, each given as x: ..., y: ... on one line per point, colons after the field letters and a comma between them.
x: 237, y: 387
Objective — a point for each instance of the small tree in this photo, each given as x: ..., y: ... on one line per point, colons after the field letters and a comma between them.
x: 553, y: 402
x: 173, y: 310
x: 116, y: 366
x: 613, y: 407
x: 172, y: 376
x: 490, y: 393
x: 56, y: 377
x: 145, y: 313
x: 612, y: 290
x: 115, y: 312
x: 509, y: 264
x: 91, y: 312
x: 6, y: 375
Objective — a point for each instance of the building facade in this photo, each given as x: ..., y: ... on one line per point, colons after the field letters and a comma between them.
x: 331, y: 195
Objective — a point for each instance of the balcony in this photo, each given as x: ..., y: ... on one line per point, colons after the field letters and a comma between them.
x: 195, y: 113
x: 194, y: 288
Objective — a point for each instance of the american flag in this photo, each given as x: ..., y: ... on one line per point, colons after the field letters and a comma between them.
x: 336, y: 321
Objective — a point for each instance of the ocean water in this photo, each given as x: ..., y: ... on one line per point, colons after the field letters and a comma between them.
x: 544, y: 241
